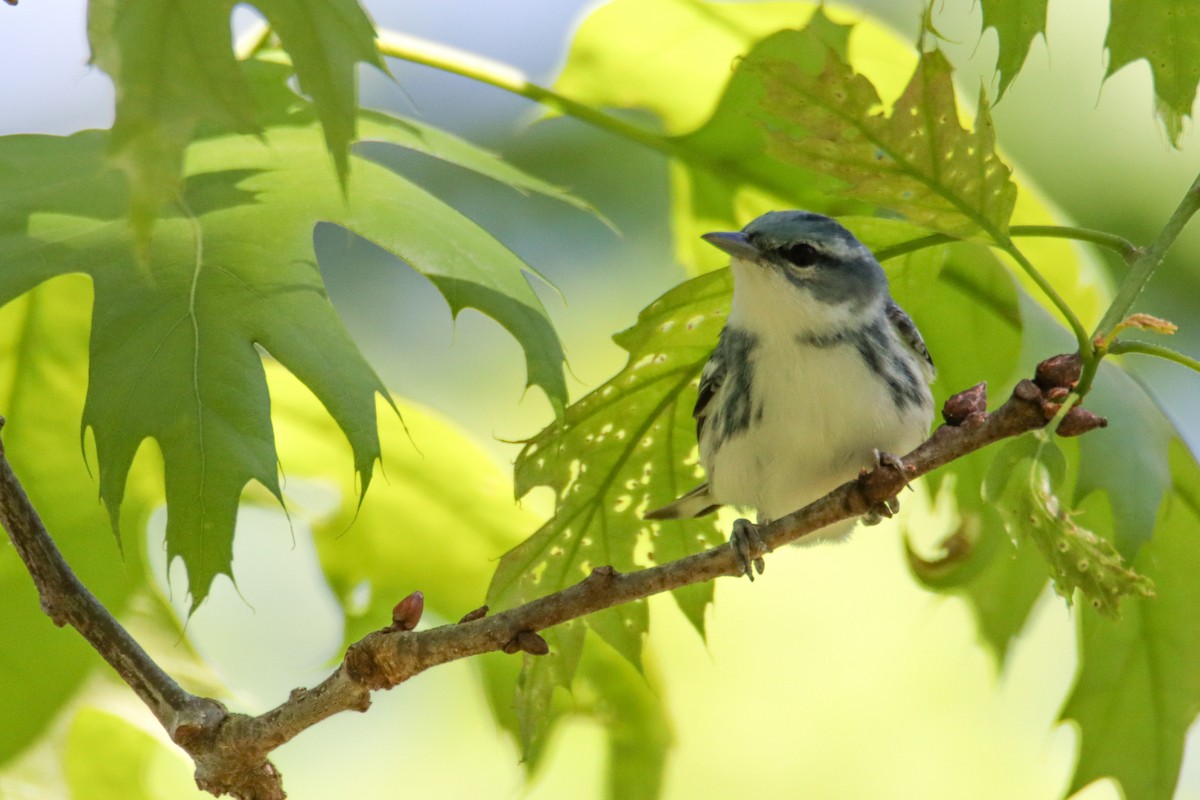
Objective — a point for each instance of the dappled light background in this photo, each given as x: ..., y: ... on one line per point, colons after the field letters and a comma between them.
x: 835, y: 676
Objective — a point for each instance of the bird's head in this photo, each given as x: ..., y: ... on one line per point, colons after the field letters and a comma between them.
x: 801, y: 258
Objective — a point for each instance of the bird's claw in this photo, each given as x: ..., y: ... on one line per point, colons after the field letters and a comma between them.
x: 888, y: 508
x: 895, y: 462
x: 885, y: 510
x: 748, y: 547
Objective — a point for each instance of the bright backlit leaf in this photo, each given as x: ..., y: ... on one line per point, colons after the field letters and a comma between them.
x: 173, y: 68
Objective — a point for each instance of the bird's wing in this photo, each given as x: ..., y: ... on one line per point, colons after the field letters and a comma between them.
x: 711, y: 378
x: 906, y: 329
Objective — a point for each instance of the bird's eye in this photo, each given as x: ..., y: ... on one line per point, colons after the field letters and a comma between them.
x: 802, y: 255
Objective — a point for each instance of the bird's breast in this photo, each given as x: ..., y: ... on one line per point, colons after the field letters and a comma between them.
x: 815, y: 412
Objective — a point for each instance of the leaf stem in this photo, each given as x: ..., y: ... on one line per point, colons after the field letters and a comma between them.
x: 503, y: 76
x: 1143, y: 267
x: 1126, y: 249
x: 1081, y: 335
x: 1149, y: 349
x: 1123, y: 247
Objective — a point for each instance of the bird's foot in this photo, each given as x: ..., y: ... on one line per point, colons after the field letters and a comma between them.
x: 888, y: 508
x: 748, y: 547
x: 895, y: 462
x: 885, y: 510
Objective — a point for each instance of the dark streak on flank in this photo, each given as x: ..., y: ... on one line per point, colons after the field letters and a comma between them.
x: 881, y: 354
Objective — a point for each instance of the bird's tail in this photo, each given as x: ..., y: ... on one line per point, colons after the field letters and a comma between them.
x: 695, y: 503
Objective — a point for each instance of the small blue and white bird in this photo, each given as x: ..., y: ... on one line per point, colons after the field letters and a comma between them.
x: 818, y: 374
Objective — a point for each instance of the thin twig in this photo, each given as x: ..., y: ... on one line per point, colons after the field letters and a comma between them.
x: 231, y: 750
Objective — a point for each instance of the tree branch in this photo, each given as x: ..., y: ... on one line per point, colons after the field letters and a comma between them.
x: 230, y: 750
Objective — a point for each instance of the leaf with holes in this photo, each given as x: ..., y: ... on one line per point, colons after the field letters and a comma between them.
x: 176, y: 351
x: 1023, y: 483
x: 918, y: 161
x: 626, y: 447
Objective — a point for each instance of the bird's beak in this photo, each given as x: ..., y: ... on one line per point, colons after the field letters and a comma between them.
x: 736, y: 244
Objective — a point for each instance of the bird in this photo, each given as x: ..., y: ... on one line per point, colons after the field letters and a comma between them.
x: 817, y: 375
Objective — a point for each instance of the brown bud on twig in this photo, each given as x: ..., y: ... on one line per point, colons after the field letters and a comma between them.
x: 407, y: 612
x: 1027, y: 390
x: 969, y: 404
x: 529, y: 642
x: 1063, y: 370
x: 1079, y: 421
x: 471, y: 616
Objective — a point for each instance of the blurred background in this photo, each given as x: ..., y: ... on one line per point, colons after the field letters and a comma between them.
x: 834, y: 677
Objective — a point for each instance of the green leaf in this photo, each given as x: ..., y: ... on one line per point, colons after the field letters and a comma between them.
x: 175, y: 350
x: 1017, y: 22
x: 327, y: 40
x: 1166, y: 33
x: 173, y: 69
x: 620, y: 450
x: 175, y: 75
x: 918, y: 162
x: 43, y: 379
x: 1138, y: 688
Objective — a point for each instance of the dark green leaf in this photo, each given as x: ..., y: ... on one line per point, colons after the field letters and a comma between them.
x: 327, y: 40
x: 1127, y: 460
x: 973, y: 292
